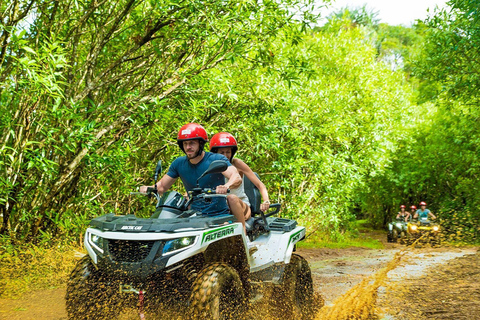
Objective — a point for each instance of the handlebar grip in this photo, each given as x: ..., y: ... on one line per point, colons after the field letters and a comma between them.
x: 151, y: 190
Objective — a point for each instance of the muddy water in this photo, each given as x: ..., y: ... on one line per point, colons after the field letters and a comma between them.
x: 334, y: 271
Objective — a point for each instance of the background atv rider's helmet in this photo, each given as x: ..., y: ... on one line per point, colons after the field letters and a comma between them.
x: 413, y: 208
x: 223, y: 140
x: 423, y: 203
x: 192, y: 131
x: 402, y: 206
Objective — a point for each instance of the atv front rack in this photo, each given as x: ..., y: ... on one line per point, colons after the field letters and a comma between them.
x: 130, y: 223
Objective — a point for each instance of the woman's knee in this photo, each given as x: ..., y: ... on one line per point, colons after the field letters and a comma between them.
x: 233, y: 199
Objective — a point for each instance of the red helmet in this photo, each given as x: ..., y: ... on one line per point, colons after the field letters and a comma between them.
x: 423, y: 203
x: 402, y: 206
x: 222, y: 140
x: 413, y: 207
x: 192, y: 131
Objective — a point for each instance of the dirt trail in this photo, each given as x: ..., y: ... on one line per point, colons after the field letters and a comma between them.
x: 334, y: 272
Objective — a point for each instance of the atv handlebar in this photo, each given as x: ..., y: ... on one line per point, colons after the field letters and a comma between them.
x: 214, y: 195
x: 206, y: 193
x: 276, y: 206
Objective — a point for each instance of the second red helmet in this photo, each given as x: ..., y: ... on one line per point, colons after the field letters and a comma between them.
x: 222, y: 140
x: 413, y: 207
x: 402, y: 206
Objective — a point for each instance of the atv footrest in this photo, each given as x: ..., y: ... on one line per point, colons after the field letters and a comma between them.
x: 280, y: 224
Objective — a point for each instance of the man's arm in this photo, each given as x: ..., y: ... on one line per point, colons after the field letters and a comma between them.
x: 234, y: 180
x: 431, y: 214
x: 163, y: 185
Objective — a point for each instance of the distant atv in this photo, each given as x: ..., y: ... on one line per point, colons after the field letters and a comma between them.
x: 201, y: 264
x: 424, y: 229
x: 397, y: 229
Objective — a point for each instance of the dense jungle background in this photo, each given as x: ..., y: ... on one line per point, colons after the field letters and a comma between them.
x: 342, y: 121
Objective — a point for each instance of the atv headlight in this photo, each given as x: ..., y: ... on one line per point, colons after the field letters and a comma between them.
x: 399, y: 225
x: 414, y: 228
x: 174, y: 245
x: 436, y: 228
x: 96, y: 242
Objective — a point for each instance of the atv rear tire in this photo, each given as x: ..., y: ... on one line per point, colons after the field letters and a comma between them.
x: 217, y: 293
x: 88, y: 294
x: 295, y: 298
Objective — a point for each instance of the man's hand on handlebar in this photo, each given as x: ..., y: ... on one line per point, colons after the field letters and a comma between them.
x: 144, y: 189
x: 221, y: 189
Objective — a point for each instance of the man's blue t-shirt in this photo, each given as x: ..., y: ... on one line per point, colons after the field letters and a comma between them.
x: 423, y: 214
x: 189, y: 173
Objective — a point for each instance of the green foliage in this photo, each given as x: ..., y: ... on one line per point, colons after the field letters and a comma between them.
x: 398, y: 45
x: 358, y: 16
x: 452, y: 56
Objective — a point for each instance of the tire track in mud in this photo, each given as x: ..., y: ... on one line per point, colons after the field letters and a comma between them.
x: 369, y: 272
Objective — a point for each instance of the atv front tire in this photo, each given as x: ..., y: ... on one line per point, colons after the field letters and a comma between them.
x: 403, y: 235
x: 389, y: 237
x: 88, y: 294
x: 394, y: 235
x: 295, y: 298
x: 217, y: 293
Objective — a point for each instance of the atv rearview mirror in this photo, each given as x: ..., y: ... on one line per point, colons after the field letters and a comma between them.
x: 216, y: 166
x: 158, y: 170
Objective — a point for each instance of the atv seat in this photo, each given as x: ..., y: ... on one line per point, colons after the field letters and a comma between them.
x: 258, y: 220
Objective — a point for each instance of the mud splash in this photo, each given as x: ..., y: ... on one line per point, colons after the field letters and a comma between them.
x: 359, y: 302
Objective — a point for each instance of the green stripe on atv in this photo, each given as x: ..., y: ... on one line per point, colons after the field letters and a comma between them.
x: 218, y: 233
x: 294, y: 237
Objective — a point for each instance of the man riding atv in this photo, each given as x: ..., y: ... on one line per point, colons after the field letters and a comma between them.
x: 424, y: 227
x: 191, y: 256
x: 423, y: 212
x: 398, y: 228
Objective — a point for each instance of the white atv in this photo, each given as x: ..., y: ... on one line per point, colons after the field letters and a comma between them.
x: 183, y: 260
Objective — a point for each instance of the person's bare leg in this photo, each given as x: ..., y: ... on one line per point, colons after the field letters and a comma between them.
x: 237, y: 208
x: 247, y: 211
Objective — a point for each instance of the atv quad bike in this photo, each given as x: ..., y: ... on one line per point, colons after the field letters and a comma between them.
x: 424, y: 229
x: 397, y: 229
x: 206, y: 266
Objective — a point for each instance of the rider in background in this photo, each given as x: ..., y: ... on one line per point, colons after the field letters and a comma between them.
x: 403, y: 214
x: 423, y: 212
x: 224, y: 143
x: 413, y: 209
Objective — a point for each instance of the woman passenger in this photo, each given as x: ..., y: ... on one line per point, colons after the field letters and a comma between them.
x: 224, y: 143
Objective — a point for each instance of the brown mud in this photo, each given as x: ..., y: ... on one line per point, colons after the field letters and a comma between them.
x: 449, y: 291
x: 427, y: 283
